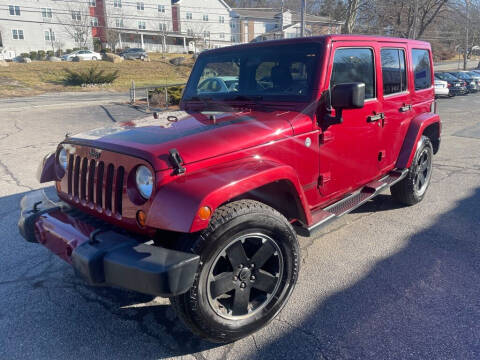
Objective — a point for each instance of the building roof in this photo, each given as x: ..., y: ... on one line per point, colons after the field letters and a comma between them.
x: 273, y: 13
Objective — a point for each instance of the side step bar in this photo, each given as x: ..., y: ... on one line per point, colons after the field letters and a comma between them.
x: 350, y: 202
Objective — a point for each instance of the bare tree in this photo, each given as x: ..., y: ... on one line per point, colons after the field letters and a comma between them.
x: 200, y: 35
x: 113, y: 30
x: 351, y: 15
x: 77, y: 22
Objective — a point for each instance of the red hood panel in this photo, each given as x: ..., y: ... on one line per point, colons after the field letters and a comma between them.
x: 196, y: 136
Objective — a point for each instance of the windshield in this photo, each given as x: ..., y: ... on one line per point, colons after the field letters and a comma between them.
x: 446, y: 76
x: 277, y: 72
x: 462, y: 75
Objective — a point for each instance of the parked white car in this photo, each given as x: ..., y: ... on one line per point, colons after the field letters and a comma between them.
x: 441, y: 88
x: 83, y: 55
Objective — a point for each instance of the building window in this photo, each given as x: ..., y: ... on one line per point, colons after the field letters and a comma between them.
x: 14, y: 10
x: 119, y: 23
x: 232, y: 38
x: 162, y: 27
x: 49, y: 35
x: 17, y: 34
x: 140, y: 6
x: 222, y: 35
x: 94, y: 21
x: 142, y: 25
x: 117, y: 3
x: 93, y: 3
x: 205, y: 17
x: 47, y: 13
x: 221, y: 19
x: 76, y: 15
x: 190, y: 32
x: 189, y: 16
x: 161, y: 8
x: 206, y: 34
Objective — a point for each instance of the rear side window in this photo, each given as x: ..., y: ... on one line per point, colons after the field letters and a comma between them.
x: 354, y: 65
x: 393, y: 71
x: 421, y: 69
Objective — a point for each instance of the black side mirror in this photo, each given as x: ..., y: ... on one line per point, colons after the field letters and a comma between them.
x: 345, y: 96
x: 348, y: 96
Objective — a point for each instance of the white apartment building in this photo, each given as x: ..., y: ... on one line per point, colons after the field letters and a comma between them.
x: 204, y: 24
x: 33, y: 25
x: 146, y: 24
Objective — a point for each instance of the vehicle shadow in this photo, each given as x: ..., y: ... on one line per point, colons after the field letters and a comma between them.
x: 420, y: 303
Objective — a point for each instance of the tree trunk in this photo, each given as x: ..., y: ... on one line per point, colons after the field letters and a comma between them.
x: 350, y: 16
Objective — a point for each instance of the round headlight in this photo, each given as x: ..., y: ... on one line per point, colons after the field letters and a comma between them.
x: 63, y: 159
x: 144, y: 179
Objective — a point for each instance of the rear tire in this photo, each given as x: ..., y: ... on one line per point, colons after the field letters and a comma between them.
x: 249, y: 263
x: 412, y: 189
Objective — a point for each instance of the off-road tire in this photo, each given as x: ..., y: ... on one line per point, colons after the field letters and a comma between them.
x: 405, y: 191
x: 228, y: 223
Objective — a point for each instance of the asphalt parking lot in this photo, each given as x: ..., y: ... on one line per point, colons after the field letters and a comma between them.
x: 385, y: 282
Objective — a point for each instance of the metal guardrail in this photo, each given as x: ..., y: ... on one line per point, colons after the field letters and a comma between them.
x: 134, y: 91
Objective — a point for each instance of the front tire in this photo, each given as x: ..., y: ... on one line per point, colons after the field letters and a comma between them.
x: 249, y: 263
x: 412, y: 189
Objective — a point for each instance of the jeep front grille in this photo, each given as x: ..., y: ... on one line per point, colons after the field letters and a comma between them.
x: 96, y: 184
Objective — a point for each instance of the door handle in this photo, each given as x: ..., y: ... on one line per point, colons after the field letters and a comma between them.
x: 376, y: 117
x: 405, y: 108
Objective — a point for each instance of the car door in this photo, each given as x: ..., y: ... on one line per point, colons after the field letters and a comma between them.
x: 397, y: 105
x: 82, y: 55
x: 349, y: 150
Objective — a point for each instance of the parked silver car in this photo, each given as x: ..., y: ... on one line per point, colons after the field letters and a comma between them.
x: 82, y: 55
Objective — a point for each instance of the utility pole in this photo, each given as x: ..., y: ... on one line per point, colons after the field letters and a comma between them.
x: 281, y: 19
x: 465, y: 47
x: 304, y: 6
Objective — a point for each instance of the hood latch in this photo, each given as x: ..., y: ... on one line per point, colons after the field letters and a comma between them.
x: 176, y: 161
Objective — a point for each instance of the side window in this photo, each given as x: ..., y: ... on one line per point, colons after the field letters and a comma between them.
x: 393, y: 71
x: 421, y: 69
x: 354, y: 65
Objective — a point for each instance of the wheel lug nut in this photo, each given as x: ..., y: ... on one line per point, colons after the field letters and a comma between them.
x: 252, y: 265
x: 252, y: 277
x: 240, y: 266
x: 235, y: 278
x: 242, y: 285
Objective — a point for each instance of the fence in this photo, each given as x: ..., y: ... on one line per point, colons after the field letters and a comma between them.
x: 136, y: 91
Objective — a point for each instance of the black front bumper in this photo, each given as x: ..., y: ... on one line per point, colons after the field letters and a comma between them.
x: 106, y: 256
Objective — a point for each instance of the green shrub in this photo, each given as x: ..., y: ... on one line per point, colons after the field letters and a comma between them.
x: 90, y: 76
x: 59, y: 53
x: 68, y: 51
x: 50, y: 53
x: 33, y: 55
x: 41, y: 55
x: 25, y: 55
x: 175, y: 94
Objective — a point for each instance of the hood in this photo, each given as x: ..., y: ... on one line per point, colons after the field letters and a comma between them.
x: 196, y: 136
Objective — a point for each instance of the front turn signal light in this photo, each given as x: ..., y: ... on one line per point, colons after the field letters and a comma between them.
x: 204, y: 213
x: 141, y: 218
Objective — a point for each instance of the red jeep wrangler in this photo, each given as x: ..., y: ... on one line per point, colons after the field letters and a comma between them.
x: 277, y: 139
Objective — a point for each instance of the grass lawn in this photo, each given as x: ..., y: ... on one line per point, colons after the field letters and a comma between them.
x: 39, y: 77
